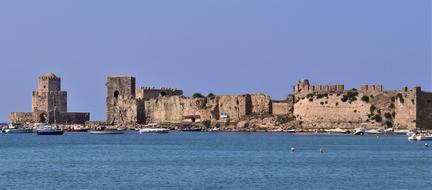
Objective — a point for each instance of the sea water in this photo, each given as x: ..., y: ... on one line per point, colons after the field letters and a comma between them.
x: 193, y: 160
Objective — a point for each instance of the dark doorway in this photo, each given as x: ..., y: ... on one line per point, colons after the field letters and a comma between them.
x: 116, y: 94
x: 43, y: 118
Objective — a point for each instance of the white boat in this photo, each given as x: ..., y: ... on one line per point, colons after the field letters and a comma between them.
x: 289, y: 131
x: 412, y: 137
x: 410, y: 133
x: 16, y: 129
x: 153, y: 128
x: 337, y: 130
x: 107, y: 131
x: 424, y: 137
x: 420, y: 137
x: 359, y: 131
x: 401, y: 131
x: 374, y: 131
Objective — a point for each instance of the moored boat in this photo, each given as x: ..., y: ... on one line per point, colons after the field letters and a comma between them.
x: 374, y: 131
x: 77, y: 128
x: 49, y: 130
x: 359, y: 131
x: 420, y: 137
x: 338, y: 130
x: 107, y: 131
x: 16, y: 129
x: 154, y: 130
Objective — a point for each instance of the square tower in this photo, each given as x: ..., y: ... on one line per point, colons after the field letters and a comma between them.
x: 118, y: 87
x: 49, y: 98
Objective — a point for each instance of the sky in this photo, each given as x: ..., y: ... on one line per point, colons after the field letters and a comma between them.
x: 219, y: 46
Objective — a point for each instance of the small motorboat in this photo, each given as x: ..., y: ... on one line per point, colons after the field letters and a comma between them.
x: 107, y: 131
x: 289, y: 131
x: 49, y: 130
x: 338, y: 130
x: 16, y: 129
x: 424, y: 137
x: 359, y: 131
x: 154, y: 130
x: 420, y: 137
x: 191, y: 129
x: 374, y: 131
x: 77, y: 128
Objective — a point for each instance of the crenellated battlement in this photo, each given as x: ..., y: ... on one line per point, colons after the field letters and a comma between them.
x: 304, y: 87
x: 146, y: 92
x: 371, y: 88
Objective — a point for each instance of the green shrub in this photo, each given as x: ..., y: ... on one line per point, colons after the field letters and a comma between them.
x: 310, y: 95
x: 319, y: 96
x: 197, y: 95
x: 377, y: 118
x: 365, y: 98
x: 389, y: 124
x: 210, y: 95
x: 207, y: 124
x: 283, y: 119
x: 387, y: 115
x: 344, y: 98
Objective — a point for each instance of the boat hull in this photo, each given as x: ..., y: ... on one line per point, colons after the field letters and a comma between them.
x: 154, y: 131
x: 18, y: 131
x: 49, y: 132
x: 111, y: 132
x: 77, y: 130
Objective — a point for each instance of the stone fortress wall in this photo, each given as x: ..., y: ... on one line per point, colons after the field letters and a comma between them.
x: 309, y: 107
x: 371, y: 107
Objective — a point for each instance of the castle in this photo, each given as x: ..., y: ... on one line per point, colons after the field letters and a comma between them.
x: 310, y: 107
x: 49, y: 105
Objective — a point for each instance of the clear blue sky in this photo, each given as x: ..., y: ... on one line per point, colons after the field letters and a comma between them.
x: 219, y: 46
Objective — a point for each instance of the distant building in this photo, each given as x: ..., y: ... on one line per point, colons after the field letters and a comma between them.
x: 49, y: 105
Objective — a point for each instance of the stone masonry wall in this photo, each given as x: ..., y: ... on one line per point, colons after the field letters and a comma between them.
x: 261, y: 104
x: 280, y: 108
x: 424, y: 110
x: 406, y: 110
x: 172, y: 109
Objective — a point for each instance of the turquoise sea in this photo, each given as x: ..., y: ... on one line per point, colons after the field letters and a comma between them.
x: 193, y: 160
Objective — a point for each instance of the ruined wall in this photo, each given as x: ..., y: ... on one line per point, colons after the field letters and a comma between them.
x: 280, y: 108
x: 21, y: 117
x: 331, y: 112
x: 261, y: 104
x: 237, y: 107
x: 424, y: 110
x: 151, y: 92
x: 173, y: 108
x: 73, y: 118
x: 128, y: 112
x: 406, y: 110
